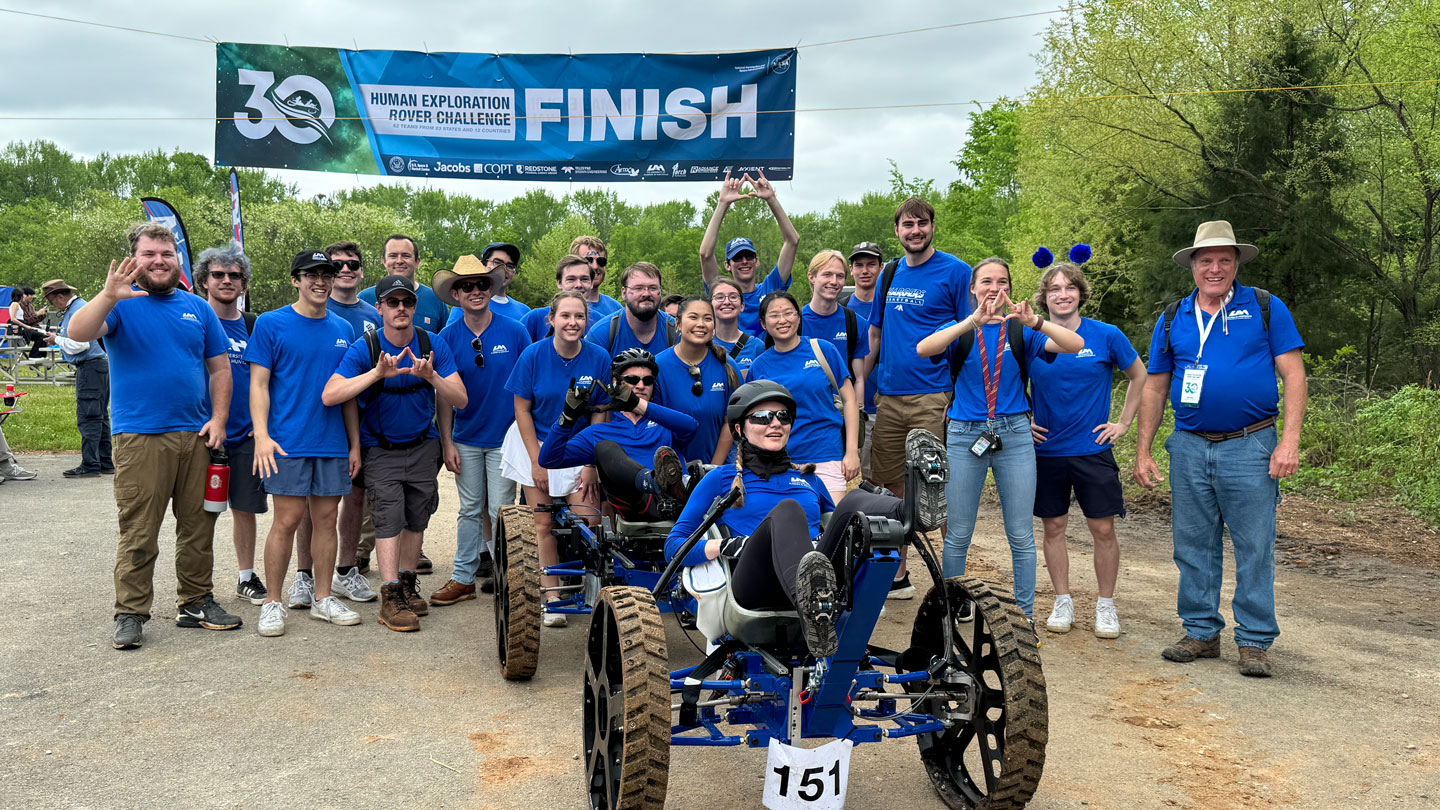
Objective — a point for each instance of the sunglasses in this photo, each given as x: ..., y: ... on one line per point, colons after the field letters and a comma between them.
x: 762, y: 418
x: 635, y: 379
x: 222, y: 275
x: 481, y: 284
x: 479, y: 352
x: 696, y: 387
x: 398, y: 303
x: 597, y: 260
x: 353, y: 264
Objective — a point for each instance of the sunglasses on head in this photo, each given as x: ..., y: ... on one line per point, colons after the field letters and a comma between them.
x: 596, y: 259
x: 479, y: 352
x: 481, y: 284
x: 696, y: 388
x: 636, y: 379
x: 765, y: 417
x: 353, y: 264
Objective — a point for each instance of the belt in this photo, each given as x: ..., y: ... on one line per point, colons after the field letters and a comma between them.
x: 405, y: 445
x: 1216, y: 436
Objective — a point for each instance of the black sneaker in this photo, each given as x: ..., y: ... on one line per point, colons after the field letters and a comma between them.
x: 206, y: 612
x: 486, y: 567
x: 901, y: 589
x: 925, y: 454
x: 669, y: 473
x: 81, y: 472
x: 252, y: 589
x: 129, y: 632
x: 816, y: 591
x: 424, y: 566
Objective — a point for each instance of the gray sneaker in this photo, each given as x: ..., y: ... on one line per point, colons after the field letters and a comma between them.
x: 332, y: 610
x: 129, y: 632
x: 302, y: 591
x: 18, y: 474
x: 353, y: 586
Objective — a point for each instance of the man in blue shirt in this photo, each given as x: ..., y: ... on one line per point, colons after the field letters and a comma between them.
x: 401, y: 257
x: 572, y: 273
x: 866, y: 259
x: 825, y: 319
x: 741, y: 260
x: 929, y: 288
x: 641, y: 325
x: 1215, y: 356
x: 486, y: 348
x: 168, y: 350
x: 400, y: 443
x: 92, y: 385
x: 595, y: 254
x: 223, y: 274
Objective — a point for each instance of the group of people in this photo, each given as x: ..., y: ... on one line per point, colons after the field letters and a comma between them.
x: 342, y: 406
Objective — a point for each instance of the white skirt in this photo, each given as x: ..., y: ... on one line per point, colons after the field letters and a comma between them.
x: 515, y: 465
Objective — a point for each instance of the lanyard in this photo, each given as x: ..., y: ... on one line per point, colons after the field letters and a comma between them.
x: 991, y: 381
x: 1204, y: 328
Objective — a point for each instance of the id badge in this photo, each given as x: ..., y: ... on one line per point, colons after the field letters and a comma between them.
x: 1191, y: 385
x: 988, y: 442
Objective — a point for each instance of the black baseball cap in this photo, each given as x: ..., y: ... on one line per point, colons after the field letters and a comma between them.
x: 312, y: 260
x: 866, y: 249
x: 393, y: 284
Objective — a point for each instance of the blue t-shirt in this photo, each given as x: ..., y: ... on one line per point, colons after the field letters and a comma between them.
x: 599, y: 334
x: 1240, y: 387
x: 675, y: 388
x: 749, y: 319
x: 1072, y: 391
x: 510, y: 308
x: 302, y: 354
x: 761, y: 496
x: 543, y: 377
x: 490, y: 409
x: 158, y: 346
x: 753, y: 348
x: 430, y: 313
x: 659, y: 427
x: 538, y: 327
x: 921, y: 300
x: 969, y: 404
x: 406, y: 409
x: 238, y: 426
x: 361, y: 315
x: 605, y: 307
x: 832, y: 328
x: 819, y: 430
x: 866, y: 310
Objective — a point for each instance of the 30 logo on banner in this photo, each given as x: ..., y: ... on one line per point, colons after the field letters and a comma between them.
x: 299, y: 108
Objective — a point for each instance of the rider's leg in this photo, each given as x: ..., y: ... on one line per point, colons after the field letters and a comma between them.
x: 764, y: 577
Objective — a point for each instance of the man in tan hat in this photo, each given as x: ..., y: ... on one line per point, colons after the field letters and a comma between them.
x: 92, y: 384
x: 1215, y: 354
x: 486, y: 348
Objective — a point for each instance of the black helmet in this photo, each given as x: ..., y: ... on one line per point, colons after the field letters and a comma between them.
x: 751, y: 394
x: 633, y: 357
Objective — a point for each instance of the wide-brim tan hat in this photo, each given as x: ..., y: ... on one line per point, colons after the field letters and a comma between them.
x: 1216, y: 234
x: 54, y: 285
x: 467, y: 266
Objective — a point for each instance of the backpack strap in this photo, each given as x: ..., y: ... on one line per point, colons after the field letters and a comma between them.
x: 824, y: 364
x: 1262, y: 297
x: 1015, y: 334
x: 250, y: 317
x: 672, y: 334
x: 959, y: 354
x: 887, y: 276
x: 852, y: 328
x: 740, y: 344
x: 614, y: 331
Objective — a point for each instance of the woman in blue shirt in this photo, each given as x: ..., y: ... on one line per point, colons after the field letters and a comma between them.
x: 741, y: 346
x: 990, y: 419
x: 696, y: 377
x: 777, y: 565
x: 826, y: 435
x: 1073, y: 441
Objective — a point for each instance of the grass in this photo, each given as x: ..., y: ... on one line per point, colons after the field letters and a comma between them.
x: 47, y: 424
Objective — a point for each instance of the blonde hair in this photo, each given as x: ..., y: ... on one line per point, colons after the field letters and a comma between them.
x: 592, y: 242
x: 1072, y: 273
x: 823, y: 258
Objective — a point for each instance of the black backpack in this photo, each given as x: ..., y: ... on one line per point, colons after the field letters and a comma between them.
x: 249, y: 318
x: 372, y: 342
x: 1015, y: 336
x: 671, y: 335
x: 1262, y: 297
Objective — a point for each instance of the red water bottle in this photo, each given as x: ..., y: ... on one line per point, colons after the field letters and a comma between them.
x: 217, y: 482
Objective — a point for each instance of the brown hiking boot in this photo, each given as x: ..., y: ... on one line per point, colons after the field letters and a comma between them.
x: 410, y: 584
x: 1254, y: 662
x: 452, y: 592
x: 395, y: 612
x: 1189, y: 648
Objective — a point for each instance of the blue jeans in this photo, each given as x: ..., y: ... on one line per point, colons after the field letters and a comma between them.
x: 480, y: 485
x: 1215, y: 485
x: 1014, y: 466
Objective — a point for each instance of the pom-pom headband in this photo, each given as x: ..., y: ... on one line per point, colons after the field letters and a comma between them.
x: 1079, y: 254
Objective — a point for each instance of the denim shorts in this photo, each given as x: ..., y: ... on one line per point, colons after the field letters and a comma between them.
x: 301, y: 477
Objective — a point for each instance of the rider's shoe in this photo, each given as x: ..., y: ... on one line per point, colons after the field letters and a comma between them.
x: 817, y: 600
x: 926, y: 454
x: 669, y: 474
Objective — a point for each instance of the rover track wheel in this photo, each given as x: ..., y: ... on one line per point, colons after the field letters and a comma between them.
x: 627, y: 703
x: 517, y: 593
x: 994, y: 760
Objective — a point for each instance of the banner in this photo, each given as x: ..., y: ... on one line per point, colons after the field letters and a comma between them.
x: 536, y: 117
x: 237, y: 229
x: 157, y: 210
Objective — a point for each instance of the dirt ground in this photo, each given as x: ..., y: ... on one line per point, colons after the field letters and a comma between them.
x: 361, y: 717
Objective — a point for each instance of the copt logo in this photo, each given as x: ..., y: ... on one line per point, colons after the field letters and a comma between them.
x: 300, y: 108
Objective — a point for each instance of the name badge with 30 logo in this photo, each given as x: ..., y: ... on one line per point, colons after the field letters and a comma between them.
x: 1191, y: 385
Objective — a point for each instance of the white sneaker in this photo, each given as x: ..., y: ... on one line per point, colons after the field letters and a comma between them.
x: 1107, y: 621
x: 555, y: 620
x: 272, y: 619
x: 353, y: 586
x: 302, y: 591
x: 332, y: 610
x: 1061, y: 617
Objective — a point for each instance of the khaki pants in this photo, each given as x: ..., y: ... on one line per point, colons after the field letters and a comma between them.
x: 151, y: 471
x: 895, y: 417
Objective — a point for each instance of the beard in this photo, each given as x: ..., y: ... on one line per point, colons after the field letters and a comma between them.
x: 146, y: 283
x: 924, y: 247
x: 642, y: 315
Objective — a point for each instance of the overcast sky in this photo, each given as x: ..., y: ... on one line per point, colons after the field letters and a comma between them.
x: 60, y: 68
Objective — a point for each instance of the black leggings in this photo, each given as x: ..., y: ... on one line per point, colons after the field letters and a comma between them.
x: 764, y: 576
x: 620, y: 476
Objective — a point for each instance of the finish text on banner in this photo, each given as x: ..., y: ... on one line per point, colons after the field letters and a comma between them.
x: 588, y: 117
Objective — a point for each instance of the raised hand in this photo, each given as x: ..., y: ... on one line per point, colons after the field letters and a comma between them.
x: 763, y: 189
x: 118, y: 280
x: 991, y: 310
x: 731, y: 189
x: 577, y: 404
x: 1022, y: 312
x: 622, y: 398
x: 389, y: 365
x: 422, y: 367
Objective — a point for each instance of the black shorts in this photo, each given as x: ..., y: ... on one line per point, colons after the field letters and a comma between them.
x: 247, y: 491
x: 1094, y: 478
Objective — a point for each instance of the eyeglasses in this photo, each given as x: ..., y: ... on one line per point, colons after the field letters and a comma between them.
x: 723, y: 297
x: 398, y: 303
x: 353, y: 264
x: 596, y: 259
x: 696, y: 388
x: 496, y: 264
x: 479, y: 352
x: 481, y: 284
x: 762, y: 418
x: 312, y: 276
x: 223, y: 274
x: 635, y: 379
x: 653, y: 289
